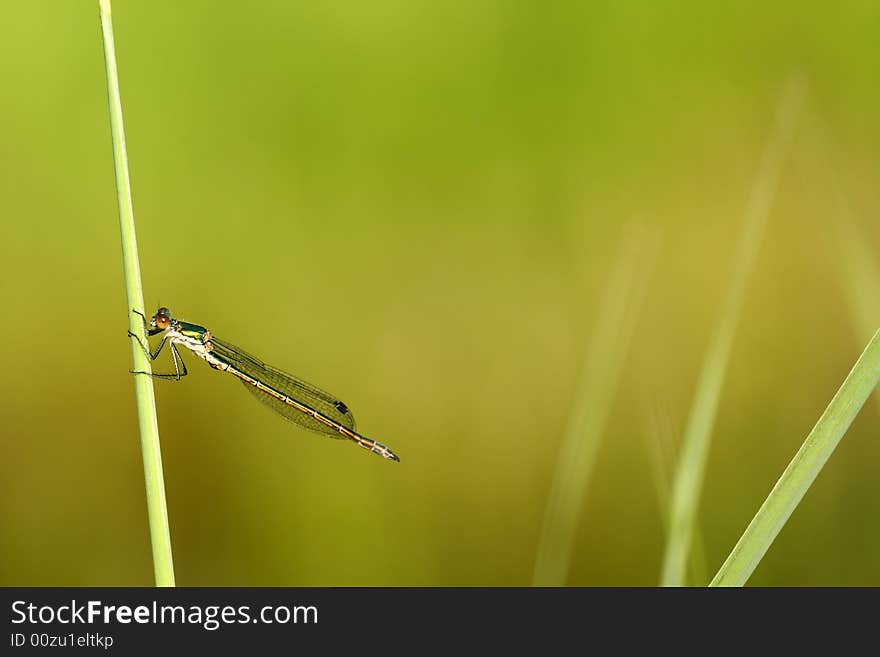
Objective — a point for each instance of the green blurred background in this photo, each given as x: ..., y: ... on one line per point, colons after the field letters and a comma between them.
x: 418, y: 206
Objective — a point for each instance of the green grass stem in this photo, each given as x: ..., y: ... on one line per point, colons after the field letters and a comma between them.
x: 803, y: 469
x: 146, y: 404
x: 600, y: 376
x: 688, y: 480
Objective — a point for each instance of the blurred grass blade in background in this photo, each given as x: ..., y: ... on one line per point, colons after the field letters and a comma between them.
x: 660, y: 433
x: 689, y: 475
x: 600, y: 376
x: 858, y: 266
x: 803, y: 469
x: 157, y: 512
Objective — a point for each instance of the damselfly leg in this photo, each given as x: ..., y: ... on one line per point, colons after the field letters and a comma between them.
x: 153, y: 355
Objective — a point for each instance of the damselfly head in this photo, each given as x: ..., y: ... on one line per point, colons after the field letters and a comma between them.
x: 161, y: 320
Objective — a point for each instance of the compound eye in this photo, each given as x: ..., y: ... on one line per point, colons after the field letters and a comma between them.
x: 162, y: 318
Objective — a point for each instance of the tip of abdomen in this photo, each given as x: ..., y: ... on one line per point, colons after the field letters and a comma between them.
x: 385, y: 452
x: 379, y: 448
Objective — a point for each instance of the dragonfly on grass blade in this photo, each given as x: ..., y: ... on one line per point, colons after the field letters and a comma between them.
x: 287, y: 395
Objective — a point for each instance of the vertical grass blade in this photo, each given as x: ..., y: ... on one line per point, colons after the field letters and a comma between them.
x: 592, y: 402
x: 688, y: 480
x: 803, y: 469
x: 146, y: 404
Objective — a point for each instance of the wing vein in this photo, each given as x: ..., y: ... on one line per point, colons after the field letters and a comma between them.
x: 290, y: 386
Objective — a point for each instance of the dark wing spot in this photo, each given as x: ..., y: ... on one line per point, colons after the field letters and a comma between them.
x: 342, y: 408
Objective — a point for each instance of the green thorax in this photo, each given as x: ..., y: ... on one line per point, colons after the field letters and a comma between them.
x: 192, y: 330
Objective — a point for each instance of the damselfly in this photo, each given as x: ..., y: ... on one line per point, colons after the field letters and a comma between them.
x: 287, y: 395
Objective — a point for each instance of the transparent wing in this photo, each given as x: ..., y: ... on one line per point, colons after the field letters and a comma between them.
x: 291, y: 386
